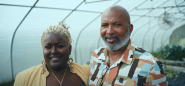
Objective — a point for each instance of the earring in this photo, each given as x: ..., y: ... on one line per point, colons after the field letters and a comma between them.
x: 43, y: 63
x: 70, y: 62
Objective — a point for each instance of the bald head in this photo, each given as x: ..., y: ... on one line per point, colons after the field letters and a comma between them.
x: 120, y: 11
x: 116, y: 28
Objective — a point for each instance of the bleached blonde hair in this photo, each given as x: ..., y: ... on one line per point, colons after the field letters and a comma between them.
x: 62, y: 29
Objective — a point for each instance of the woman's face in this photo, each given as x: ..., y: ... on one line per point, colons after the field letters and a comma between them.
x: 56, y: 51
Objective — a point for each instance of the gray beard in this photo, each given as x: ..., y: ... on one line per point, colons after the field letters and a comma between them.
x: 120, y: 43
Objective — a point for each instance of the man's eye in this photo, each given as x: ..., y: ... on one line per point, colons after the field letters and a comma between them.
x: 60, y: 46
x: 103, y: 25
x: 117, y: 24
x: 47, y: 47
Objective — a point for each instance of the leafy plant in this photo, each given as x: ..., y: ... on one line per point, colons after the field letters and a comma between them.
x: 170, y: 52
x: 169, y: 71
x: 176, y: 79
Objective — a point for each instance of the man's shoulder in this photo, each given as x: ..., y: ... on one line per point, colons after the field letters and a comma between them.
x: 155, y: 65
x: 100, y: 49
x: 98, y: 54
x: 141, y: 54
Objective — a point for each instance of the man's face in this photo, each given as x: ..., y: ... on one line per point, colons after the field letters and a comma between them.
x: 115, y: 30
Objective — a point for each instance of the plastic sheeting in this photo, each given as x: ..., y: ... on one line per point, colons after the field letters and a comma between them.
x: 83, y: 17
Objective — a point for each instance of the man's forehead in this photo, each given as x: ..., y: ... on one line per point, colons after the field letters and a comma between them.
x: 115, y: 13
x: 105, y: 22
x: 113, y: 17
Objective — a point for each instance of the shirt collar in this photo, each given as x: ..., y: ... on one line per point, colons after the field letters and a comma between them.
x: 126, y: 57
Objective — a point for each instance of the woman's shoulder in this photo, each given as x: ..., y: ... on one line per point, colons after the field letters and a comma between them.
x: 23, y: 77
x: 31, y: 70
x: 82, y: 68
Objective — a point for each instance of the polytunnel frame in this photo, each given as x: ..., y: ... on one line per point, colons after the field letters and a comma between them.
x: 72, y: 10
x: 84, y: 29
x: 131, y: 15
x: 162, y: 40
x: 11, y: 52
x: 96, y: 1
x: 149, y: 24
x: 153, y: 16
x: 94, y: 20
x: 150, y: 9
x: 153, y: 39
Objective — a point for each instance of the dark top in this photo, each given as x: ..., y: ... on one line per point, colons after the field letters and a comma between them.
x: 82, y: 84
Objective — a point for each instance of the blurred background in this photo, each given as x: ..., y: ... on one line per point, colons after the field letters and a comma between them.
x: 159, y: 28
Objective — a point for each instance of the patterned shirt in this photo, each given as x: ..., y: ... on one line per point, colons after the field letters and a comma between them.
x: 136, y: 67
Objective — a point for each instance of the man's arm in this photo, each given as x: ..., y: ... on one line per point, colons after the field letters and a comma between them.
x: 156, y: 76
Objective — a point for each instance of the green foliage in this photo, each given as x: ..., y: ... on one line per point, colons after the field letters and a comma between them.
x: 169, y: 71
x: 172, y: 52
x: 177, y: 79
x: 8, y: 83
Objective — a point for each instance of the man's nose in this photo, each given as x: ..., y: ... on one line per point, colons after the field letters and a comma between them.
x: 110, y: 30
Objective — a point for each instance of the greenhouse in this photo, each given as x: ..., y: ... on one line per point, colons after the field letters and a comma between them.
x: 157, y: 24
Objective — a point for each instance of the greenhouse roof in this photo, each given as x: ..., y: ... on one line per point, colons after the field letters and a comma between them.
x: 22, y: 23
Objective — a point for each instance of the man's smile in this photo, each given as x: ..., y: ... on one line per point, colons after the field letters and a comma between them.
x: 111, y: 39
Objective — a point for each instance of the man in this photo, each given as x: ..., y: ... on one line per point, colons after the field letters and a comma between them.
x: 120, y: 63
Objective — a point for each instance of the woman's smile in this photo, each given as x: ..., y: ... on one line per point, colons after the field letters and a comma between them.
x: 55, y: 59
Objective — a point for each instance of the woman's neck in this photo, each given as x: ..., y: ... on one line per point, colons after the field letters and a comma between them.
x: 60, y: 71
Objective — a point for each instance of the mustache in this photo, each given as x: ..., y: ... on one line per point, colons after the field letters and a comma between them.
x: 112, y: 35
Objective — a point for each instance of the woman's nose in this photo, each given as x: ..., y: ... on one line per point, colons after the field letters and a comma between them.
x: 54, y: 50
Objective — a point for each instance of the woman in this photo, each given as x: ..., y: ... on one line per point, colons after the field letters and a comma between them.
x: 57, y: 69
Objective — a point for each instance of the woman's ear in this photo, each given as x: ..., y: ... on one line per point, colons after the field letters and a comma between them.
x: 70, y: 49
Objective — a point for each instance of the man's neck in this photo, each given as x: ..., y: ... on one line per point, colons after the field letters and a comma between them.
x: 115, y: 55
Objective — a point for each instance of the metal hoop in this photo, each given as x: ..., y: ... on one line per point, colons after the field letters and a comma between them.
x: 70, y: 61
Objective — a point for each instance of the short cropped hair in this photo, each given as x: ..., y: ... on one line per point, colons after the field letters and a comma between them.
x: 62, y: 29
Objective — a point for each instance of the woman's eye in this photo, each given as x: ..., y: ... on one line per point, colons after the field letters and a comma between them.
x: 47, y: 47
x: 60, y: 46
